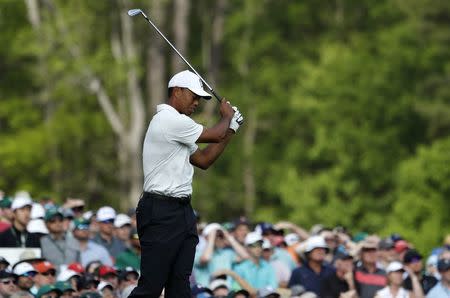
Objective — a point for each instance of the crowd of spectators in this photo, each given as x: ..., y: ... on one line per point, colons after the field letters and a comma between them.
x: 69, y: 251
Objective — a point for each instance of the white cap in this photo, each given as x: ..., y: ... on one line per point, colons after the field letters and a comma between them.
x: 20, y: 202
x: 188, y: 79
x: 266, y: 244
x: 264, y: 292
x: 106, y: 213
x: 37, y: 211
x: 218, y: 283
x: 394, y: 266
x: 23, y: 268
x: 37, y: 226
x: 66, y: 274
x: 315, y: 242
x: 104, y: 284
x: 291, y: 239
x: 211, y: 227
x: 121, y: 220
x: 252, y: 238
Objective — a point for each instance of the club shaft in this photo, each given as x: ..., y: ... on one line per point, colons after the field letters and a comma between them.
x: 216, y: 95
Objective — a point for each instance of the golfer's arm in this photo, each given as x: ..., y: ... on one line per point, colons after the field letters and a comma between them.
x: 204, y: 158
x: 215, y: 134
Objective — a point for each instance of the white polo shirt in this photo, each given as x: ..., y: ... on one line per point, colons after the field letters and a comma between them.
x: 168, y: 144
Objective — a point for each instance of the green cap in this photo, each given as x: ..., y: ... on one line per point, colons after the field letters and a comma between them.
x: 47, y: 289
x: 64, y: 286
x: 81, y: 224
x: 5, y: 203
x: 52, y: 212
x: 90, y: 295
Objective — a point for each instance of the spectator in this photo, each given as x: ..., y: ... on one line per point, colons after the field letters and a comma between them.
x: 314, y: 271
x: 17, y: 235
x: 394, y: 288
x: 217, y: 254
x: 122, y: 225
x: 89, y: 250
x: 25, y: 274
x: 431, y: 268
x: 256, y: 271
x: 105, y: 237
x: 109, y: 274
x: 58, y: 247
x: 219, y: 287
x: 368, y: 277
x: 275, y: 236
x: 386, y: 252
x: 442, y: 288
x: 241, y: 227
x: 46, y: 275
x: 413, y: 261
x: 48, y: 291
x: 6, y: 214
x: 131, y: 257
x: 128, y: 277
x: 341, y: 282
x: 106, y: 289
x: 282, y: 271
x: 7, y: 286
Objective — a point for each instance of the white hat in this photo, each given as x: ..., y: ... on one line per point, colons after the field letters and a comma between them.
x: 66, y: 274
x: 37, y: 226
x: 264, y: 292
x: 23, y: 268
x: 291, y: 239
x: 211, y: 227
x: 266, y: 244
x: 121, y: 220
x: 218, y: 283
x: 20, y: 202
x: 188, y: 79
x: 252, y: 238
x: 104, y: 284
x: 37, y: 211
x: 394, y: 266
x: 106, y: 213
x: 315, y: 242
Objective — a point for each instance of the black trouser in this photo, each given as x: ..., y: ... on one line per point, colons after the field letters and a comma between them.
x: 168, y: 235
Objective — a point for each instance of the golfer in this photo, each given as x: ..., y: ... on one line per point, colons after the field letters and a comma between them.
x: 165, y: 219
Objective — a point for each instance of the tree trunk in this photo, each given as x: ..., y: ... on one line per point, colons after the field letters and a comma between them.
x: 181, y: 33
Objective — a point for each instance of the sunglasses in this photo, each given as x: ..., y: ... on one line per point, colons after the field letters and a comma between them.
x: 6, y: 281
x: 55, y: 219
x: 29, y: 274
x: 50, y: 272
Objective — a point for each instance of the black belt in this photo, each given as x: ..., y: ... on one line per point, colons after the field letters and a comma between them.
x: 181, y: 200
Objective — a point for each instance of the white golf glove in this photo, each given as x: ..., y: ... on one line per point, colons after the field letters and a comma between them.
x: 237, y: 120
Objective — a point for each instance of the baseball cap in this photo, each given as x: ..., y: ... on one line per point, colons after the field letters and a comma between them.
x: 211, y: 227
x: 37, y: 211
x: 314, y: 242
x: 47, y: 289
x: 52, y: 212
x: 106, y: 213
x: 443, y: 265
x: 252, y: 238
x: 105, y: 269
x: 394, y: 266
x: 386, y: 244
x: 412, y: 256
x: 291, y: 239
x: 64, y: 286
x: 264, y: 292
x: 104, y: 284
x: 123, y: 273
x: 23, y: 268
x: 5, y: 202
x: 81, y: 224
x: 44, y: 266
x: 77, y: 267
x: 37, y: 226
x: 121, y: 220
x: 20, y: 202
x: 188, y: 79
x: 400, y: 246
x: 343, y: 255
x: 218, y: 283
x: 67, y: 274
x: 5, y: 274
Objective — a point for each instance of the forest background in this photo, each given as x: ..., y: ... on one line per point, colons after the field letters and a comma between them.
x: 347, y: 106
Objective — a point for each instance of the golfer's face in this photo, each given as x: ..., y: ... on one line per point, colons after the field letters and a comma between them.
x: 190, y: 101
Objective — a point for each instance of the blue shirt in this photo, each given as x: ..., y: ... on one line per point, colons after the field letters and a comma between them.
x: 259, y: 276
x: 439, y: 291
x: 308, y: 278
x: 284, y: 256
x: 95, y: 252
x: 222, y: 258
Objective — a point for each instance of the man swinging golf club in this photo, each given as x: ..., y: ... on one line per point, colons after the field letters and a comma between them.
x: 165, y: 219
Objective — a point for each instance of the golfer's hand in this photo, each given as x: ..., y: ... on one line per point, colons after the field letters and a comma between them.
x: 226, y: 110
x: 237, y: 120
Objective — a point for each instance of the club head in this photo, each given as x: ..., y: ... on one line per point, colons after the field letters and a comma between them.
x: 133, y: 12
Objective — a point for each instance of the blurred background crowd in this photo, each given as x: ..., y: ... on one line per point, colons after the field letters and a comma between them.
x: 69, y: 251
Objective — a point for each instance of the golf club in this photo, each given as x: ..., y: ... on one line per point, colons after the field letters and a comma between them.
x: 134, y: 12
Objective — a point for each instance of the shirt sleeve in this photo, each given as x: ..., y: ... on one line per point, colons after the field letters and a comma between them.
x: 183, y: 130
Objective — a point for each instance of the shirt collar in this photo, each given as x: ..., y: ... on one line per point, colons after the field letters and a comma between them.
x: 165, y: 106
